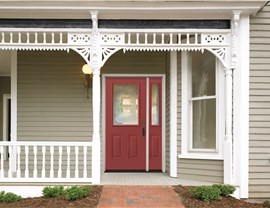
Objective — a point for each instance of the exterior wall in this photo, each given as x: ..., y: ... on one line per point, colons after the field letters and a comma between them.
x: 194, y: 169
x: 52, y: 103
x: 259, y: 113
x: 4, y: 89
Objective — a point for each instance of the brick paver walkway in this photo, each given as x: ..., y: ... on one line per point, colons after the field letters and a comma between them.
x: 139, y: 196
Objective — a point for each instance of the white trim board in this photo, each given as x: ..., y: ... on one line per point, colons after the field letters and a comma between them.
x: 6, y: 97
x: 104, y: 76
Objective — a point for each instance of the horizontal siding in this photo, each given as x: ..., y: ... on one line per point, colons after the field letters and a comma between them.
x: 52, y: 103
x: 4, y: 89
x: 259, y: 119
x: 201, y: 170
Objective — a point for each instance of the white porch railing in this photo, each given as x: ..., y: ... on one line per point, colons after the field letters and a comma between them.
x: 46, y: 162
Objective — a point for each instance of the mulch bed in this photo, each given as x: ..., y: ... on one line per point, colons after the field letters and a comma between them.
x: 226, y: 202
x: 59, y: 202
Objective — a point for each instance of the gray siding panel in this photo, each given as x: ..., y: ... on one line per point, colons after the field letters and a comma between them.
x: 52, y: 103
x: 259, y: 118
x: 201, y: 170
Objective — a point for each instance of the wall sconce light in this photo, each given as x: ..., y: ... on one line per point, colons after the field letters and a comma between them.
x: 88, y: 72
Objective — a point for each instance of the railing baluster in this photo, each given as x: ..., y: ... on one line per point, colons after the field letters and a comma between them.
x: 52, y: 159
x: 10, y: 161
x: 60, y: 162
x: 3, y: 37
x: 2, y: 161
x: 129, y: 38
x: 84, y: 161
x: 61, y: 38
x: 137, y: 38
x: 35, y: 161
x: 146, y: 38
x: 19, y: 37
x: 44, y: 38
x: 18, y: 161
x: 11, y: 37
x: 52, y: 38
x: 76, y: 161
x: 171, y: 38
x: 179, y: 38
x: 43, y: 161
x: 36, y: 37
x: 68, y: 162
x: 188, y: 38
x: 26, y: 162
x: 162, y: 38
x: 154, y: 38
x: 196, y: 38
x: 27, y: 37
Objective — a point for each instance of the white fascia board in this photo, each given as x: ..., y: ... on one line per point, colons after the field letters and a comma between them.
x: 127, y: 9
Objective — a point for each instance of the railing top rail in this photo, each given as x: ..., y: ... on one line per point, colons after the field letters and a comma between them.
x: 45, y: 143
x: 31, y: 30
x: 216, y: 31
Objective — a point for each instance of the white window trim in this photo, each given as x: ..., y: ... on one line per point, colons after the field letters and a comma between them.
x: 186, y: 151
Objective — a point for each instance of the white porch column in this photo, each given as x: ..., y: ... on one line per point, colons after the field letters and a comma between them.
x: 241, y: 109
x: 173, y: 114
x: 13, y: 107
x: 96, y: 127
x: 228, y: 164
x: 95, y: 63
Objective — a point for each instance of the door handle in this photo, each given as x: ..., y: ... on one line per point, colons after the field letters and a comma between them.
x: 143, y: 128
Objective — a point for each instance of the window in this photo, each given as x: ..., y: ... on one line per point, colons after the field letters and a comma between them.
x: 203, y: 126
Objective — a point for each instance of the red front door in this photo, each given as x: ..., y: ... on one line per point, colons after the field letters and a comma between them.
x: 126, y: 124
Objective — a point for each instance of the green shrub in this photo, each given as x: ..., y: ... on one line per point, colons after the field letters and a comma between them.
x: 206, y: 193
x: 55, y: 191
x: 266, y: 204
x: 2, y: 194
x: 9, y: 197
x: 75, y: 192
x: 226, y: 190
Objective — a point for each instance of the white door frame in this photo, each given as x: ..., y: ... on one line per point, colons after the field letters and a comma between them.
x: 6, y: 98
x: 104, y: 76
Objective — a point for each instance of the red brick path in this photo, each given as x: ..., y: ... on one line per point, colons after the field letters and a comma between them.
x: 139, y: 196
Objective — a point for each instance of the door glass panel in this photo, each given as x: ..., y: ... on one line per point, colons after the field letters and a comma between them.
x: 125, y: 104
x: 155, y: 104
x: 204, y: 124
x: 203, y: 74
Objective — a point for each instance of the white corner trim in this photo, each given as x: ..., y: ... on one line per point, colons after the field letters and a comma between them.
x: 173, y: 114
x: 6, y: 120
x: 163, y: 123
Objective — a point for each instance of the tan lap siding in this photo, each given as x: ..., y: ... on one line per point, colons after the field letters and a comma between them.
x: 259, y: 118
x: 4, y: 89
x: 194, y: 169
x: 52, y: 103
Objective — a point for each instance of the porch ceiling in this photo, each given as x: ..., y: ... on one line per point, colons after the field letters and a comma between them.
x: 123, y: 9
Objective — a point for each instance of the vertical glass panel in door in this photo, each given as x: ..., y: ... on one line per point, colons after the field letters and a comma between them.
x: 203, y: 74
x: 125, y: 104
x: 204, y: 124
x: 155, y: 104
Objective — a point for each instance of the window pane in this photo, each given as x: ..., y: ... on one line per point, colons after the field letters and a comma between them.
x: 155, y: 104
x: 204, y: 124
x: 125, y: 104
x: 203, y: 74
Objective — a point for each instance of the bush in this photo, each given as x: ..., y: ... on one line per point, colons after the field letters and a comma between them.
x: 226, y: 190
x: 206, y: 193
x: 9, y: 197
x: 55, y: 191
x: 74, y: 192
x: 266, y: 204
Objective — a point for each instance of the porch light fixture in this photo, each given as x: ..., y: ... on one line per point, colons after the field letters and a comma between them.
x: 88, y: 72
